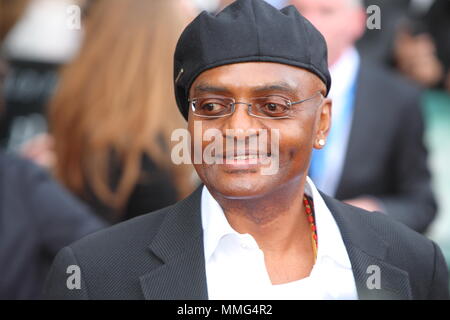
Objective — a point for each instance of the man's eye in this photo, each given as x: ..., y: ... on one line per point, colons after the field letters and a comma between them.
x: 275, y: 108
x: 272, y: 107
x: 212, y: 108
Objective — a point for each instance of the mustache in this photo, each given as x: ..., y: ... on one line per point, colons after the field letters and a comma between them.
x: 246, y: 143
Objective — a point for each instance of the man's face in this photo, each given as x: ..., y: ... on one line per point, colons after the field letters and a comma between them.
x: 341, y: 22
x: 297, y: 135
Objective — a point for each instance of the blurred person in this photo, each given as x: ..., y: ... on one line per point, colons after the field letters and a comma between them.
x: 40, y: 150
x: 437, y: 119
x: 44, y: 34
x: 3, y: 70
x: 437, y: 20
x: 411, y: 38
x: 375, y: 156
x: 447, y: 81
x: 248, y: 233
x: 113, y: 114
x: 38, y: 44
x: 415, y: 56
x: 379, y: 43
x: 219, y: 5
x: 422, y: 47
x: 38, y: 216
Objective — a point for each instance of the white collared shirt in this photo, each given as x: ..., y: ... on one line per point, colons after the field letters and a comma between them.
x: 235, y: 267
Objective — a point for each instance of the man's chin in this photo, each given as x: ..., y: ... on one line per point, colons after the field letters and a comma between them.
x: 242, y: 187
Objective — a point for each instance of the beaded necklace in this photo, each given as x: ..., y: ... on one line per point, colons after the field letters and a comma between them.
x: 309, y: 210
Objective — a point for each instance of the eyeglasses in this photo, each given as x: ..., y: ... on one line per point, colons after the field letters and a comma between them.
x: 270, y: 107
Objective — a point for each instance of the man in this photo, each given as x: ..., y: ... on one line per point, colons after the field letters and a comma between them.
x: 375, y: 157
x: 250, y: 233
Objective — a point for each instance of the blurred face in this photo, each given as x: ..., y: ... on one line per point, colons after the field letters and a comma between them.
x: 341, y: 22
x: 297, y: 135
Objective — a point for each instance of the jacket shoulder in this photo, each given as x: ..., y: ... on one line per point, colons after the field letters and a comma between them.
x: 137, y: 231
x: 396, y: 235
x: 113, y: 261
x: 415, y: 253
x: 406, y: 249
x: 110, y: 261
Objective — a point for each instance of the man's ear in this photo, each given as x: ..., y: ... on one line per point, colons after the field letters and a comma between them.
x: 324, y: 124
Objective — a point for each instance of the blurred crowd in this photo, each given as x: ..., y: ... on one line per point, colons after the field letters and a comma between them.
x: 87, y: 111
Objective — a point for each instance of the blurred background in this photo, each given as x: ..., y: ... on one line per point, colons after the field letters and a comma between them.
x: 87, y: 110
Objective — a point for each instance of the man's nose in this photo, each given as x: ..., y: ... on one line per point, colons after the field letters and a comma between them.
x: 241, y: 127
x: 241, y: 119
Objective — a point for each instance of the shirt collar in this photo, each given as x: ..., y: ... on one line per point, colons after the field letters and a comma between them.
x: 343, y: 72
x: 216, y: 226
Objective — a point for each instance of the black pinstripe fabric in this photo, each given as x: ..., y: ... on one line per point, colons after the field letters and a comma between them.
x: 160, y: 256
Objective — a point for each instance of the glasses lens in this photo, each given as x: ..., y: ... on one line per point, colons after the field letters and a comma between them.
x: 212, y: 107
x: 270, y: 107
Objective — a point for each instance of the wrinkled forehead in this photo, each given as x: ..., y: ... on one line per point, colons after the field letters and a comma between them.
x: 256, y: 77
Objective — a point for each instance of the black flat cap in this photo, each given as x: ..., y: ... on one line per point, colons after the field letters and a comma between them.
x: 247, y: 30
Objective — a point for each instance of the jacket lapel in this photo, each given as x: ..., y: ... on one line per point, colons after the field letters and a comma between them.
x: 179, y: 246
x: 181, y: 274
x: 368, y: 255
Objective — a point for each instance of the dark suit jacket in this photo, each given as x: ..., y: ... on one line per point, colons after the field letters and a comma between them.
x: 37, y: 219
x: 160, y: 256
x: 386, y: 157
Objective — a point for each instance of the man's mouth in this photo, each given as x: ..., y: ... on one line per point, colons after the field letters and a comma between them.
x: 244, y: 159
x: 246, y: 156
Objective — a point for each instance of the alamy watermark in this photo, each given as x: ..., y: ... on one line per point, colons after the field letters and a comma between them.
x: 73, y: 21
x: 374, y: 280
x: 74, y: 280
x: 234, y: 147
x: 373, y: 17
